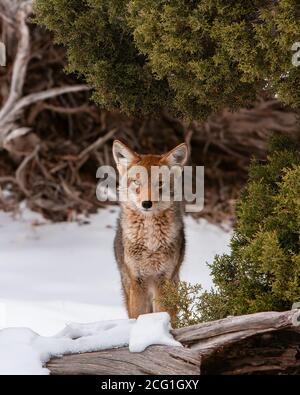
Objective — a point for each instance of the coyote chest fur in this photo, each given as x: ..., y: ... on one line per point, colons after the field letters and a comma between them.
x: 149, y: 243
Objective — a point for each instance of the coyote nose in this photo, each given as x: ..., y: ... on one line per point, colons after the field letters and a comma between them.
x: 147, y: 204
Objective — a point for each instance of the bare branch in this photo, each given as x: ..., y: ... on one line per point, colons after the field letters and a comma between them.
x: 20, y: 171
x: 12, y: 108
x: 21, y: 60
x: 97, y: 144
x: 8, y: 120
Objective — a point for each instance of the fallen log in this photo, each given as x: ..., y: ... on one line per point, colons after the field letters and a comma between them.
x: 267, y: 342
x: 155, y: 360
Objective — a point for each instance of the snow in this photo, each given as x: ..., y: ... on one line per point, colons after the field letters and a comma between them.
x: 151, y: 329
x: 23, y: 351
x: 52, y: 274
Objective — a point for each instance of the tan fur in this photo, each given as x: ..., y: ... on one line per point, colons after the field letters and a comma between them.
x: 149, y: 247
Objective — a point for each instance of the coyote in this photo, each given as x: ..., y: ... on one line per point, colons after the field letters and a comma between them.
x: 149, y: 244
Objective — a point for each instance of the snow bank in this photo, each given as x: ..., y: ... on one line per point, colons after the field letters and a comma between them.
x: 151, y: 329
x: 51, y: 274
x: 23, y: 351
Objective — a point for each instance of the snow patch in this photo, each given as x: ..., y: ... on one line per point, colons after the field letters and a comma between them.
x: 151, y: 329
x: 24, y: 352
x: 51, y: 274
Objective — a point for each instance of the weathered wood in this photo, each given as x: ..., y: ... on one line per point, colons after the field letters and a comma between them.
x: 208, y: 336
x: 266, y: 342
x: 154, y: 360
x: 270, y: 353
x: 15, y: 103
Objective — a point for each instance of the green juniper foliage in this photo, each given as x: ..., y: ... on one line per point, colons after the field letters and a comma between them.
x: 262, y: 272
x: 189, y: 57
x: 185, y: 299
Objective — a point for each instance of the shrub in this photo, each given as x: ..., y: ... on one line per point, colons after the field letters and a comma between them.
x: 262, y: 272
x: 185, y: 299
x: 189, y: 57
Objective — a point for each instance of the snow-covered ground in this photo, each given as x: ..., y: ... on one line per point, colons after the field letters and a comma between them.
x: 51, y: 274
x: 22, y: 351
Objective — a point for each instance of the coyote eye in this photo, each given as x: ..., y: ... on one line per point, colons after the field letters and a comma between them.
x: 136, y: 182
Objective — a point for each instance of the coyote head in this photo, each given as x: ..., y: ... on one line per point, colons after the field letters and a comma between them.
x: 148, y: 182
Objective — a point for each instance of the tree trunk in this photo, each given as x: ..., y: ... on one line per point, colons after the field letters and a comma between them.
x: 258, y: 343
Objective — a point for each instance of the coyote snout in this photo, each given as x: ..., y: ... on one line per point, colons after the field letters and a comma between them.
x: 149, y: 243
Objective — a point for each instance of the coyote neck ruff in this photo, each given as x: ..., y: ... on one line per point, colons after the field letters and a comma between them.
x: 150, y: 240
x: 149, y: 243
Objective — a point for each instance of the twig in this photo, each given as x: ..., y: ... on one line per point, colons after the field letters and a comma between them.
x: 21, y: 169
x: 10, y: 117
x: 20, y: 63
x: 95, y: 145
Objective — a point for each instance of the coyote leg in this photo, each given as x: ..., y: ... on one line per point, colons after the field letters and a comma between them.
x: 158, y: 305
x: 138, y: 302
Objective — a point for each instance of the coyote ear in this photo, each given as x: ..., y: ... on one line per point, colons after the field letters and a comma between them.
x: 177, y: 156
x: 123, y: 155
